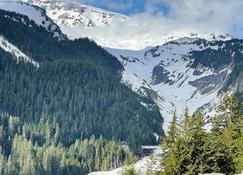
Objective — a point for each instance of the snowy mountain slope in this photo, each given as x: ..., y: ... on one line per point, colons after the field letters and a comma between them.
x: 20, y: 56
x: 34, y: 13
x: 78, y: 20
x: 187, y: 72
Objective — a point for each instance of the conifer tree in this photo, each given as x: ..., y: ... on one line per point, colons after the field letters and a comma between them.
x: 229, y: 110
x: 130, y: 170
x: 172, y: 134
x: 186, y: 125
x: 176, y: 152
x: 238, y: 159
x: 197, y: 145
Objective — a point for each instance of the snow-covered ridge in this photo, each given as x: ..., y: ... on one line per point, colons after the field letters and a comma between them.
x: 77, y: 20
x: 195, y: 36
x: 35, y: 14
x: 20, y: 56
x: 75, y: 14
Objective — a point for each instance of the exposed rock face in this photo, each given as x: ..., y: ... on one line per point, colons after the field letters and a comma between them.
x: 160, y: 75
x: 208, y: 83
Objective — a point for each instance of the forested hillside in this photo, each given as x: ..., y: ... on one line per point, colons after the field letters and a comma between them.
x: 77, y: 87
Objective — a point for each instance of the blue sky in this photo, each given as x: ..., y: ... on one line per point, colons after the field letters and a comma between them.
x: 128, y: 7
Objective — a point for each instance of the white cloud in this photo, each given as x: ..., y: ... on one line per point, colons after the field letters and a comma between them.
x: 184, y: 16
x: 204, y: 15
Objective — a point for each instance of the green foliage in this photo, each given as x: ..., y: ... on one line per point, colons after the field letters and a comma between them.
x: 129, y: 171
x: 172, y: 134
x: 195, y: 151
x: 28, y: 151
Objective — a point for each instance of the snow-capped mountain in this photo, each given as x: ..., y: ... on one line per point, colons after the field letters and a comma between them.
x: 187, y: 72
x: 34, y: 13
x: 20, y: 56
x: 108, y: 29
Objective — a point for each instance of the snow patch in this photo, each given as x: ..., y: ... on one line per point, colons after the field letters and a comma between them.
x: 20, y: 56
